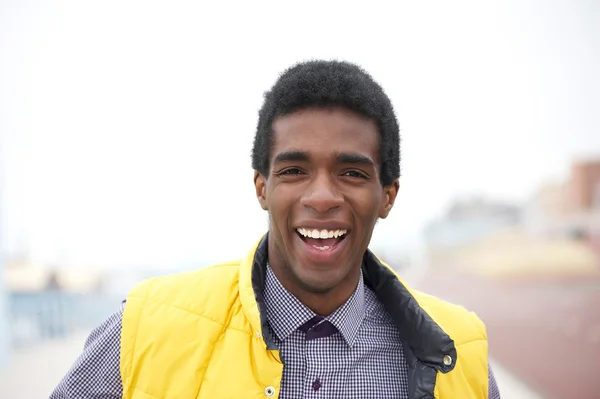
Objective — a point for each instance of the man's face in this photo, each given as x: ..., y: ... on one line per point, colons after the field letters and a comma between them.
x: 323, y: 195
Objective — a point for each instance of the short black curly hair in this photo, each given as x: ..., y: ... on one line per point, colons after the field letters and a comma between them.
x: 324, y: 84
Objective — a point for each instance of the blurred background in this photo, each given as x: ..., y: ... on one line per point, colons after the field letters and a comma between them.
x: 126, y: 130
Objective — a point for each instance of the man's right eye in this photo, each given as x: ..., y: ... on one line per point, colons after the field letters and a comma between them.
x: 291, y: 171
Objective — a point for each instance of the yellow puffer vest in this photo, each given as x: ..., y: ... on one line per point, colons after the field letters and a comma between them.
x: 200, y: 335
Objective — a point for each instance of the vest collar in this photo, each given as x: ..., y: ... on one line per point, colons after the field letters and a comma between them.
x: 423, y: 337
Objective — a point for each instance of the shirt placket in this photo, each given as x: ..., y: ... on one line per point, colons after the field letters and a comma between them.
x: 317, y: 369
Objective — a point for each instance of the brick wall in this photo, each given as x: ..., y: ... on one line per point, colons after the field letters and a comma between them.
x: 584, y: 187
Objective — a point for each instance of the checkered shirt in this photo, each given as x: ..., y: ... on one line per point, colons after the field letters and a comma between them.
x: 363, y: 360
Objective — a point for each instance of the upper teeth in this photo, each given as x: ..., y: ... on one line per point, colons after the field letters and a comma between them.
x: 314, y: 233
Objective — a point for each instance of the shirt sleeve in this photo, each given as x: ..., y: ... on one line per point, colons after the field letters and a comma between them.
x: 95, y: 373
x: 493, y: 391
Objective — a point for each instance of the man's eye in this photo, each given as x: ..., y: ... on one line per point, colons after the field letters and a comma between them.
x: 291, y: 171
x: 354, y: 173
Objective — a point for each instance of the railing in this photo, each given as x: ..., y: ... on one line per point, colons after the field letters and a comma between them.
x: 37, y: 316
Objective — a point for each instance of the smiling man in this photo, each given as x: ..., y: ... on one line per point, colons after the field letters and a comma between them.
x: 310, y: 312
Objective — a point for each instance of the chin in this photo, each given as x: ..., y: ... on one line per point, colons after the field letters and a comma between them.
x: 320, y: 281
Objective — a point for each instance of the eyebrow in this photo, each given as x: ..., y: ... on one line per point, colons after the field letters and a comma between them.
x: 342, y: 157
x: 291, y: 156
x: 354, y: 158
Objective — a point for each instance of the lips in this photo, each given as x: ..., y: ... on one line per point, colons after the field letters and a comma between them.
x: 321, y: 239
x: 322, y: 245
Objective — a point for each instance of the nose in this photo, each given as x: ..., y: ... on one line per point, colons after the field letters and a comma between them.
x: 322, y: 195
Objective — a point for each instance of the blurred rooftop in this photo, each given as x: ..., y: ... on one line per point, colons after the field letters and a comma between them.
x: 21, y: 275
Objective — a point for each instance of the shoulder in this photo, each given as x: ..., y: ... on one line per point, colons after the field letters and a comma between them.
x: 468, y: 332
x: 207, y: 281
x: 461, y: 324
x: 210, y: 292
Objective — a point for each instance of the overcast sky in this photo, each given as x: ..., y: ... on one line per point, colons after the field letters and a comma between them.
x: 127, y: 126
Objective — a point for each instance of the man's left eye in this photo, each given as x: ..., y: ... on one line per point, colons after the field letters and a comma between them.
x: 354, y: 173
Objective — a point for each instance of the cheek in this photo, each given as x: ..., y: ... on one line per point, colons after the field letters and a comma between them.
x: 280, y: 209
x: 368, y: 207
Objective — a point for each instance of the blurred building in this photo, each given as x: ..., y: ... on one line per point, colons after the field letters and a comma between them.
x: 4, y: 339
x: 570, y: 208
x: 584, y: 186
x: 557, y: 231
x: 468, y: 220
x: 50, y: 302
x: 546, y: 213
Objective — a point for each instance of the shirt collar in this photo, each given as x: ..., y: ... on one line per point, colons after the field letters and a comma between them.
x: 286, y: 313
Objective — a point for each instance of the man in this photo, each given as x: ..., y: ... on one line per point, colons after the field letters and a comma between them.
x: 310, y: 312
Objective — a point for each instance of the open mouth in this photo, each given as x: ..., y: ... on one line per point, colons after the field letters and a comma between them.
x: 322, y: 239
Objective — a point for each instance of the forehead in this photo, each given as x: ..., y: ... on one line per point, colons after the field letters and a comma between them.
x: 325, y: 132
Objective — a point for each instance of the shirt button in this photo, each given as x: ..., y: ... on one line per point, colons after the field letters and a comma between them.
x: 447, y: 360
x: 269, y: 391
x: 316, y: 385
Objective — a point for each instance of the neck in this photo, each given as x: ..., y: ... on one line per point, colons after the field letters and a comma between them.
x: 323, y: 302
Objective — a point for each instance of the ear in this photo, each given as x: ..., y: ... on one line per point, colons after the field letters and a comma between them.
x: 389, y: 197
x: 260, y: 185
